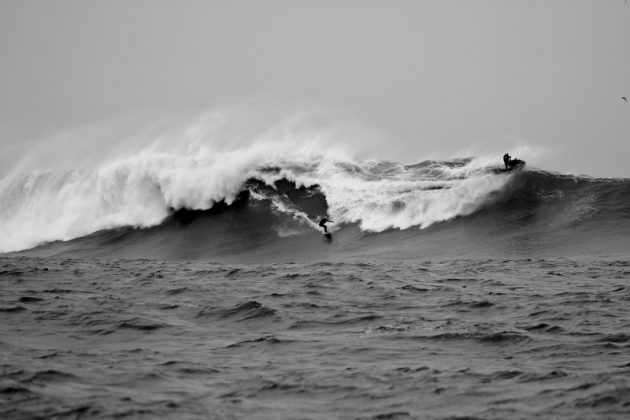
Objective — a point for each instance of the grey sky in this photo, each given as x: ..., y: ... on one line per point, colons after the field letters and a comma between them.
x: 440, y: 78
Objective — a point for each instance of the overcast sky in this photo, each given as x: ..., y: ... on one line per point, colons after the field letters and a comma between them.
x: 439, y: 78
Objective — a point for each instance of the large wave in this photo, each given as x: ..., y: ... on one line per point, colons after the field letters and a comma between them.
x: 144, y: 189
x: 255, y: 190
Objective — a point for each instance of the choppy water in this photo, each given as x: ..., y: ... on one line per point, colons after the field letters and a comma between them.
x: 185, y: 276
x: 434, y: 339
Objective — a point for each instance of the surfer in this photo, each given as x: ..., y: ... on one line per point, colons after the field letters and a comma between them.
x: 506, y: 160
x: 323, y: 222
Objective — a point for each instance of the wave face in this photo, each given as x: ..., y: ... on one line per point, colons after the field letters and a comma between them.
x: 264, y: 204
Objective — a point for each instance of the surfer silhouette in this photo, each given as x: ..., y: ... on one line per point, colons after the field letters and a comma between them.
x: 322, y: 223
x: 506, y: 160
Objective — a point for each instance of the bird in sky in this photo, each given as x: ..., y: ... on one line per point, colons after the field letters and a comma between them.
x: 624, y: 98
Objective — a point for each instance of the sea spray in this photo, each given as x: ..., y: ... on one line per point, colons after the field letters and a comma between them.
x: 142, y: 190
x: 62, y: 189
x: 196, y: 164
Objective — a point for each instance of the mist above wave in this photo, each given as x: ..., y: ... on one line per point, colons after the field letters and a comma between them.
x: 69, y: 187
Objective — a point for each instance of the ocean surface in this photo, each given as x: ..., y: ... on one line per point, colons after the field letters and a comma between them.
x: 196, y: 286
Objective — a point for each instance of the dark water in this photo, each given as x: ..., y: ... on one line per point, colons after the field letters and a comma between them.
x: 481, y: 338
x: 512, y: 301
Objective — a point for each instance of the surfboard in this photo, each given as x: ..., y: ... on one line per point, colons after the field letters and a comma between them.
x: 328, y: 235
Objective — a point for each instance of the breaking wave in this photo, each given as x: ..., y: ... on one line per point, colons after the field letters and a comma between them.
x: 210, y: 200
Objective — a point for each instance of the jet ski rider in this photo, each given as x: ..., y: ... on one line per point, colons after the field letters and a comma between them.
x: 506, y: 160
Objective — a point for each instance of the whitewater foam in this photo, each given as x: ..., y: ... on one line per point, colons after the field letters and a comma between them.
x: 142, y: 190
x: 380, y: 204
x: 194, y: 168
